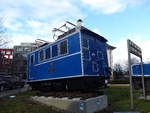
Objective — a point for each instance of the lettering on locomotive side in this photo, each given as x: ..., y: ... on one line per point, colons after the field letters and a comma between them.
x: 51, y: 69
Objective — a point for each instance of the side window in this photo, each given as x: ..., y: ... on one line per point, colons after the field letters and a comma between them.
x: 54, y: 50
x: 63, y: 47
x: 32, y: 59
x: 86, y: 51
x: 48, y: 53
x: 85, y: 43
x: 41, y: 55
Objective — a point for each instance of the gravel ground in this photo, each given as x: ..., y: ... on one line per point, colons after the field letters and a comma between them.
x: 82, y: 95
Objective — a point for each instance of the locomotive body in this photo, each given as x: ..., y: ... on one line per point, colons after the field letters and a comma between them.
x: 76, y: 61
x: 137, y: 77
x: 136, y: 69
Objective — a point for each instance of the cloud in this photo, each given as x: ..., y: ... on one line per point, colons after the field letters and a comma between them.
x: 120, y: 54
x: 52, y: 9
x: 13, y: 26
x: 37, y: 18
x: 39, y: 28
x: 41, y: 9
x: 110, y: 6
x: 96, y: 30
x: 17, y: 38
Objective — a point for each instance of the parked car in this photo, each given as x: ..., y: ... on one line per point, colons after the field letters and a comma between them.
x: 10, y: 82
x: 3, y: 85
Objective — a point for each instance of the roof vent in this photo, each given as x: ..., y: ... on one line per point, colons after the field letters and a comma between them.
x: 79, y: 23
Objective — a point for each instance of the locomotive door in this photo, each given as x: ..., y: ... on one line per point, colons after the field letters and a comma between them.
x: 93, y: 55
x: 102, y: 64
x: 31, y: 66
x: 95, y: 63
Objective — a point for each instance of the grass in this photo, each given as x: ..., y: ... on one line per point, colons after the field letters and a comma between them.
x: 22, y: 104
x: 118, y: 99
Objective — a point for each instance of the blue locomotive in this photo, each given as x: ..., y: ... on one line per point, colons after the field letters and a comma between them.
x: 76, y: 61
x: 137, y: 77
x: 136, y: 69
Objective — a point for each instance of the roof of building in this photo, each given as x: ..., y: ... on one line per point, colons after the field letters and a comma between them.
x: 4, y: 49
x: 111, y: 47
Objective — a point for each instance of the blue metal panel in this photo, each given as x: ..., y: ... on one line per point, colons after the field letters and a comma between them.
x: 96, y: 63
x: 74, y: 43
x: 70, y: 66
x: 136, y: 69
x: 60, y: 66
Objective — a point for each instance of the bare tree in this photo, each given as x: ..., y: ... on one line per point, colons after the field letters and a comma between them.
x: 118, y: 71
x: 134, y: 60
x: 121, y: 69
x: 118, y: 67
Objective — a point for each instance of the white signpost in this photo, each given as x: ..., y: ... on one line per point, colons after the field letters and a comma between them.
x: 136, y: 50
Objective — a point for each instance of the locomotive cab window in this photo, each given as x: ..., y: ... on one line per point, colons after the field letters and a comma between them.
x: 32, y: 59
x: 63, y: 47
x: 54, y: 50
x: 48, y: 53
x: 41, y: 55
x: 85, y: 43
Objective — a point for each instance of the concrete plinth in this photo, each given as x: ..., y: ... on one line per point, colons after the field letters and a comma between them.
x: 147, y: 97
x: 74, y: 105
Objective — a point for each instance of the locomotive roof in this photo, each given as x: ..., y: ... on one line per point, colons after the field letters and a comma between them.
x: 89, y: 32
x: 84, y: 30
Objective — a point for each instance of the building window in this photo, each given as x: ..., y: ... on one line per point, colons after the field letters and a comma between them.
x: 19, y: 49
x: 54, y: 50
x: 63, y: 47
x: 41, y: 55
x: 27, y: 49
x: 32, y: 59
x: 48, y: 53
x: 8, y: 52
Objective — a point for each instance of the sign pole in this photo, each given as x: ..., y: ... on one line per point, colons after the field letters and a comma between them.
x: 131, y: 84
x: 143, y: 82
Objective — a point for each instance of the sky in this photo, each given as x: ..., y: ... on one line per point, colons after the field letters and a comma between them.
x: 116, y: 20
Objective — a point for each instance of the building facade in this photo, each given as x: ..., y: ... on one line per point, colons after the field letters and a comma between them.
x: 110, y: 59
x: 6, y: 58
x: 20, y: 58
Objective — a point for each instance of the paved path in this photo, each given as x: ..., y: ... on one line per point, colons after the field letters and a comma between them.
x: 15, y: 91
x: 118, y: 84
